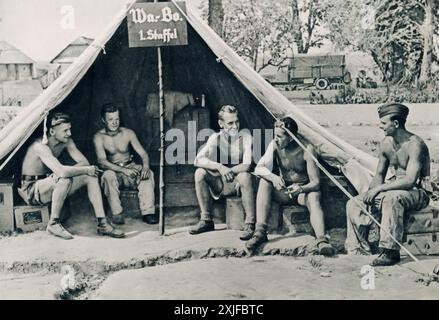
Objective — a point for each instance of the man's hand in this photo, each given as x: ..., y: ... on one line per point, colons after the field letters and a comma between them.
x: 294, y: 190
x: 370, y: 195
x: 131, y: 172
x: 278, y: 182
x: 145, y: 173
x: 226, y: 173
x: 93, y: 171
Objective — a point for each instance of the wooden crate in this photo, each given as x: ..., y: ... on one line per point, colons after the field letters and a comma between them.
x: 422, y: 244
x: 423, y: 221
x: 6, y: 207
x: 31, y: 218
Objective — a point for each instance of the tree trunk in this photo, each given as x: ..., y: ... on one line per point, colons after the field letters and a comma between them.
x: 383, y: 71
x: 427, y: 32
x: 297, y: 26
x: 216, y: 16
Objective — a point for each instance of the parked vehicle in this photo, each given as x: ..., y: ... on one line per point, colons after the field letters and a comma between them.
x: 319, y: 71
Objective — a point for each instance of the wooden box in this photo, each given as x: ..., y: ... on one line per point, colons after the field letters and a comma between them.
x: 31, y: 218
x: 6, y: 207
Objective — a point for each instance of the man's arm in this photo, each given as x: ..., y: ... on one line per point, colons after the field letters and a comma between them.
x: 312, y: 170
x: 381, y: 171
x: 60, y: 170
x: 76, y: 155
x: 265, y: 166
x: 246, y: 164
x: 202, y: 159
x: 137, y: 146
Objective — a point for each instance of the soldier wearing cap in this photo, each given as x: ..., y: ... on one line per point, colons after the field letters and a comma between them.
x: 407, y: 157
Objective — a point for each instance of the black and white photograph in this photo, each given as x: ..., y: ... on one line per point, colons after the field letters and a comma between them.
x: 236, y: 151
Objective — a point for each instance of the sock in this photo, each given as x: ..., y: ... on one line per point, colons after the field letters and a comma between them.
x: 53, y: 221
x: 102, y: 222
x: 261, y: 227
x: 206, y: 216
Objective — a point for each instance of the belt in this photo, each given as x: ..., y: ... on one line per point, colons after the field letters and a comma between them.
x: 123, y: 164
x: 33, y: 178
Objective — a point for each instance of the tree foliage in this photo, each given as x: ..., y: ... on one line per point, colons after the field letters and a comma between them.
x: 397, y: 33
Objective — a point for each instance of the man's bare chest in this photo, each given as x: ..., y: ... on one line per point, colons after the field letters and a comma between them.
x: 291, y: 161
x: 115, y: 144
x: 398, y: 156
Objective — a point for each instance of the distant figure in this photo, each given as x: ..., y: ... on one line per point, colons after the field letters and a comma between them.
x: 407, y: 156
x: 297, y: 182
x: 112, y: 145
x: 223, y: 169
x: 45, y: 180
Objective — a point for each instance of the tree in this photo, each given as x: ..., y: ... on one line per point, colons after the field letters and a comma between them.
x: 216, y: 16
x: 258, y: 30
x: 399, y: 35
x: 305, y: 28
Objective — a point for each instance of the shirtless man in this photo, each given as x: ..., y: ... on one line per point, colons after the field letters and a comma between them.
x: 222, y: 172
x: 112, y: 145
x: 298, y: 182
x: 44, y: 179
x: 407, y: 156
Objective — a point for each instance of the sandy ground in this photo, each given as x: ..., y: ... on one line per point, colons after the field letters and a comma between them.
x: 179, y: 266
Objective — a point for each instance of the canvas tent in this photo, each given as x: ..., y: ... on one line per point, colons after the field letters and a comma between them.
x: 109, y: 71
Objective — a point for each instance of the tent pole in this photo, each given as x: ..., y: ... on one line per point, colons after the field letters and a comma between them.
x: 162, y: 144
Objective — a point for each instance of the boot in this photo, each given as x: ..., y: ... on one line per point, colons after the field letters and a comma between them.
x: 324, y: 247
x: 259, y: 237
x: 387, y: 257
x: 202, y: 226
x: 118, y: 219
x: 150, y: 218
x: 58, y: 230
x: 106, y: 229
x: 247, y: 231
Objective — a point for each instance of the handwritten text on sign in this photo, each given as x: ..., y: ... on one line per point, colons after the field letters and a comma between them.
x: 157, y: 24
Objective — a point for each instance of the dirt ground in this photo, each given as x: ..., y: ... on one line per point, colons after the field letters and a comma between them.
x: 180, y: 266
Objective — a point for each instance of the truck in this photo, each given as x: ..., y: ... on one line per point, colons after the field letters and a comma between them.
x: 319, y: 71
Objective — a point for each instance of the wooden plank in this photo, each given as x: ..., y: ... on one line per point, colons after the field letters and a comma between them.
x: 180, y: 195
x: 6, y: 207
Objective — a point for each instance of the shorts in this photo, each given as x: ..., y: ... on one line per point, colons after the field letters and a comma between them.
x: 38, y: 192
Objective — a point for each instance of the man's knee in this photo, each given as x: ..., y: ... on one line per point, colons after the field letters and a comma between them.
x: 314, y: 197
x: 64, y: 182
x: 109, y: 176
x: 200, y: 175
x: 244, y: 179
x: 390, y: 198
x: 264, y: 185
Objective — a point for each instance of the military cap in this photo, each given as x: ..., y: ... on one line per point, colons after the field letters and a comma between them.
x: 393, y: 108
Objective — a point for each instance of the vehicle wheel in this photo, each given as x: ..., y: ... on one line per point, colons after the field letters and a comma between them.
x: 322, y: 84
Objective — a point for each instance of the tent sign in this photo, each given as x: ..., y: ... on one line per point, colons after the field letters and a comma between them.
x: 157, y: 24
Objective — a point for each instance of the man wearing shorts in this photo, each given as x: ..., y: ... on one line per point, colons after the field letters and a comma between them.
x: 223, y: 165
x: 297, y: 182
x: 45, y: 180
